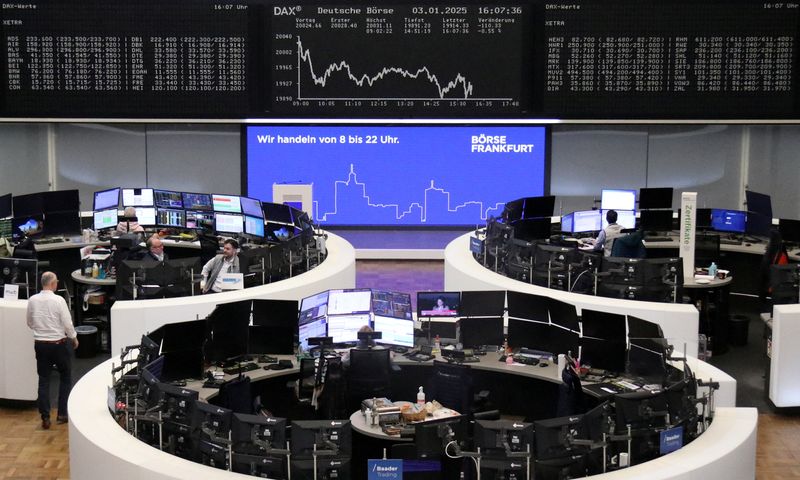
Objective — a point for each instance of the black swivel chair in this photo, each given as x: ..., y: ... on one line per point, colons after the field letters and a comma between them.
x: 629, y: 246
x: 368, y: 375
x: 706, y: 250
x: 451, y: 385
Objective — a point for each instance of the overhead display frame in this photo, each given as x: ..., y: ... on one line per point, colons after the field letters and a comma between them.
x: 239, y: 60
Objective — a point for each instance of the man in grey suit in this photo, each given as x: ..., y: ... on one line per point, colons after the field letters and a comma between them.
x: 226, y: 262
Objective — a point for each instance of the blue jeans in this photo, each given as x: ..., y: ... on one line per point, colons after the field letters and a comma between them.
x: 47, y: 355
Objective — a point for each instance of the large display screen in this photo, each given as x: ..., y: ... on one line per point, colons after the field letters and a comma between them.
x: 394, y: 176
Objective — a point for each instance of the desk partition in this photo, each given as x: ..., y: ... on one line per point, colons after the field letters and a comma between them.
x: 680, y: 322
x: 18, y: 379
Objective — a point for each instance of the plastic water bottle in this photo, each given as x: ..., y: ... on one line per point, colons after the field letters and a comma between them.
x: 95, y: 271
x: 437, y: 345
x: 712, y: 270
x: 420, y: 397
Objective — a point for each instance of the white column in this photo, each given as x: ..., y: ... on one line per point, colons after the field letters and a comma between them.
x: 688, y: 223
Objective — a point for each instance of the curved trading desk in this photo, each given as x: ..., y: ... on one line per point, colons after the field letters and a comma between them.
x: 680, y: 322
x: 18, y: 379
x: 132, y: 318
x: 726, y: 450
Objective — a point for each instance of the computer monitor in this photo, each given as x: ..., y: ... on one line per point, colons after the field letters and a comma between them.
x: 333, y: 436
x: 512, y: 211
x: 553, y: 437
x: 137, y: 197
x: 255, y: 434
x: 252, y: 207
x: 483, y: 303
x: 656, y: 220
x: 278, y: 232
x: 27, y: 226
x: 625, y: 218
x: 344, y: 328
x: 603, y: 325
x: 183, y: 336
x: 266, y: 340
x: 757, y: 224
x: 349, y: 301
x: 311, y: 328
x: 641, y: 410
x: 647, y: 358
x: 529, y: 334
x: 723, y: 220
x: 228, y: 223
x: 702, y: 218
x: 536, y: 207
x: 655, y: 198
x: 226, y: 203
x: 275, y: 313
x: 618, y: 199
x: 790, y: 230
x: 607, y: 355
x: 106, y: 199
x: 562, y: 340
x: 314, y: 306
x: 170, y: 217
x: 548, y: 258
x: 146, y: 215
x: 277, y: 212
x: 563, y: 314
x: 641, y: 328
x: 586, y: 221
x: 759, y: 203
x: 391, y: 304
x: 197, y: 219
x: 183, y: 365
x: 395, y: 331
x: 476, y: 332
x: 264, y: 466
x: 62, y: 223
x: 212, y: 418
x: 30, y: 204
x: 254, y: 226
x: 167, y: 199
x: 530, y: 229
x: 438, y: 304
x: 433, y: 436
x: 784, y: 282
x: 498, y: 437
x: 197, y: 201
x: 105, y: 219
x: 19, y: 271
x: 62, y: 201
x: 335, y: 467
x: 527, y: 306
x: 568, y: 223
x: 177, y: 401
x: 5, y: 205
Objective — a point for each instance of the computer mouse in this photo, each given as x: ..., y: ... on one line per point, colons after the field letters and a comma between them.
x: 543, y: 363
x: 747, y: 244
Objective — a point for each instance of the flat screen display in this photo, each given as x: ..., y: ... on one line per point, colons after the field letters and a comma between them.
x: 313, y: 328
x: 254, y: 226
x: 226, y: 203
x: 105, y: 219
x: 614, y: 199
x: 438, y: 304
x: 344, y: 328
x: 106, y: 199
x: 759, y: 203
x: 62, y: 201
x: 197, y: 201
x: 394, y: 331
x: 5, y: 205
x: 196, y: 219
x: 170, y: 217
x: 656, y: 220
x: 277, y: 212
x: 655, y: 198
x: 400, y: 175
x: 228, y: 223
x: 313, y: 307
x: 790, y: 230
x: 586, y: 221
x: 349, y: 301
x: 168, y: 199
x: 27, y: 226
x: 62, y: 223
x: 252, y: 207
x: 391, y: 304
x: 137, y: 197
x: 625, y: 218
x: 146, y: 215
x: 728, y: 220
x: 279, y: 231
x: 30, y: 204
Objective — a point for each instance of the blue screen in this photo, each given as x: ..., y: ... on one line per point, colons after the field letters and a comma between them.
x: 407, y: 175
x: 728, y: 220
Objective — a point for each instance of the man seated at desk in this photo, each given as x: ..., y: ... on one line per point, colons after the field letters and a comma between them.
x: 129, y: 222
x: 226, y: 262
x: 605, y: 240
x: 155, y: 249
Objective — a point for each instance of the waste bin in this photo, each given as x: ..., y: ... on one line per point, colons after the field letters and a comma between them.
x: 738, y: 330
x: 87, y: 341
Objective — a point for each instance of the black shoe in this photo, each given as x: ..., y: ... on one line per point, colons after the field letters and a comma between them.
x: 62, y: 419
x: 46, y: 423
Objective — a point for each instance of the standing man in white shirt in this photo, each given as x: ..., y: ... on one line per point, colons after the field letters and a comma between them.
x: 49, y: 318
x: 226, y: 262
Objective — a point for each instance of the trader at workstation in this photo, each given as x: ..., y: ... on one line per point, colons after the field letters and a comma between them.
x: 49, y: 318
x: 129, y: 222
x: 225, y: 262
x: 605, y: 240
x: 155, y: 249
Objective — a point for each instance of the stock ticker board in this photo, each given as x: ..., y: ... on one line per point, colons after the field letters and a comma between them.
x: 570, y: 59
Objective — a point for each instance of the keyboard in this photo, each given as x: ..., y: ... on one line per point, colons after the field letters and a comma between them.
x: 267, y: 359
x: 535, y: 353
x: 45, y: 241
x: 243, y: 367
x: 730, y: 241
x: 657, y: 239
x: 420, y: 357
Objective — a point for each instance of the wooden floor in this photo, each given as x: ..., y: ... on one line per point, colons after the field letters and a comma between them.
x: 29, y: 453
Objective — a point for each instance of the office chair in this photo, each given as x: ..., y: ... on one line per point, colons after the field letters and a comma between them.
x: 629, y: 246
x: 451, y: 385
x: 368, y: 375
x: 235, y: 395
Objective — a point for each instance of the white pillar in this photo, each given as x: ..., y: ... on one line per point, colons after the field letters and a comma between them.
x: 688, y: 224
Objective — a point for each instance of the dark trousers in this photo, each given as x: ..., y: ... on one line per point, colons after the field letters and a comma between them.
x: 47, y: 355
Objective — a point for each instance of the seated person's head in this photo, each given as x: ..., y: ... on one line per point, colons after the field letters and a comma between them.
x: 130, y: 212
x: 155, y: 245
x: 230, y: 248
x: 611, y: 216
x: 370, y: 342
